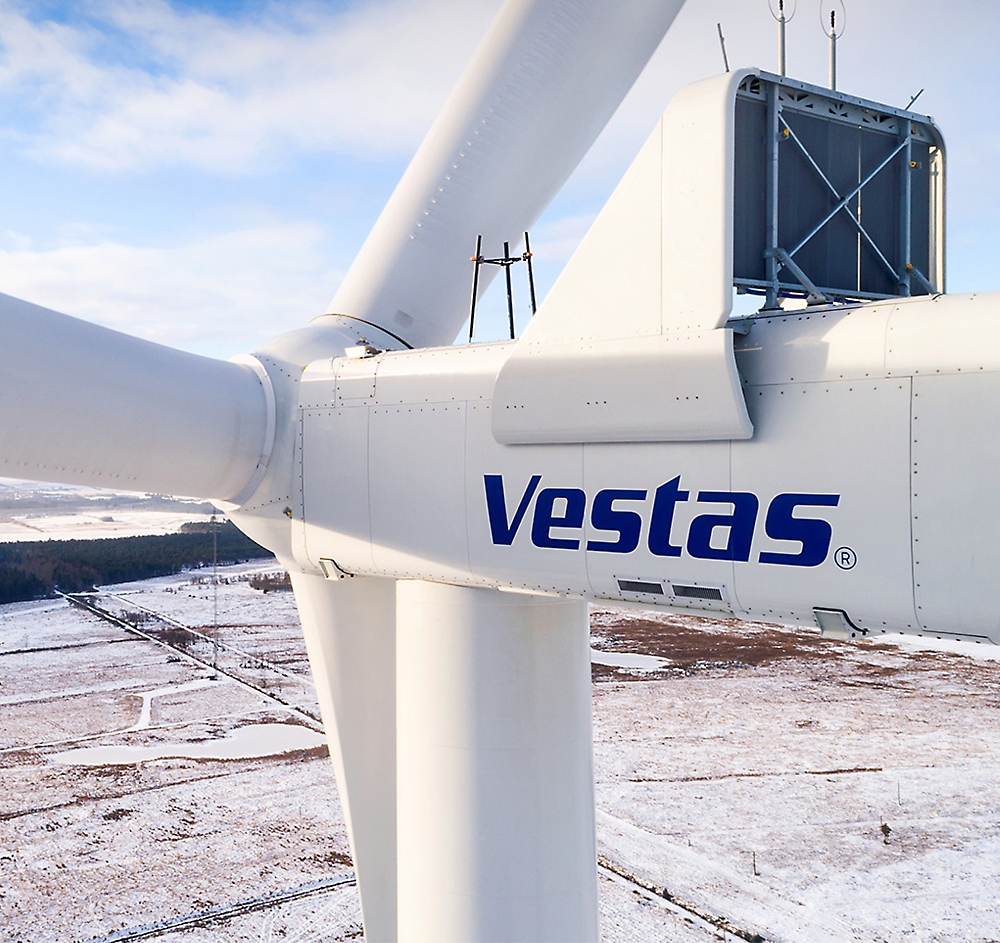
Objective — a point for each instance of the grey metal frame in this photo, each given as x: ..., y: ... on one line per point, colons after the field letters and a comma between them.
x: 783, y: 95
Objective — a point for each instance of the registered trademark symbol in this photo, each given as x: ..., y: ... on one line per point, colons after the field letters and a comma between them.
x: 845, y: 558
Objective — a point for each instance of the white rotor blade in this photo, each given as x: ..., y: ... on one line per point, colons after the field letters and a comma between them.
x: 83, y: 404
x: 538, y: 91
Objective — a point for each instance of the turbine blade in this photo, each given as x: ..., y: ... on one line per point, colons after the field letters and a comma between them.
x: 540, y: 88
x: 87, y: 405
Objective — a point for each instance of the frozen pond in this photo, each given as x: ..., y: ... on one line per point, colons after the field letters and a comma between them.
x: 628, y: 660
x: 245, y: 743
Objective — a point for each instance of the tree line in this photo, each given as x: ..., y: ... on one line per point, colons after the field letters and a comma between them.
x: 32, y: 570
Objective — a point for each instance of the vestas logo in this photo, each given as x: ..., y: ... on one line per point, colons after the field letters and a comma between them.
x: 564, y: 509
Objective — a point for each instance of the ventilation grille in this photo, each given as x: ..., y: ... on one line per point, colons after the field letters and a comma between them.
x: 638, y: 586
x: 697, y: 592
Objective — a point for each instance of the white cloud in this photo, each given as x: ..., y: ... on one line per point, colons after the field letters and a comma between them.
x: 143, y: 84
x: 217, y: 295
x: 132, y: 87
x: 136, y: 86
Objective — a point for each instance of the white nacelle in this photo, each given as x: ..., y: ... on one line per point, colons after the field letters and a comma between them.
x: 861, y: 490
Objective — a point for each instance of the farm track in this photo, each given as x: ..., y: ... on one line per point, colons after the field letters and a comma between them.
x: 86, y: 601
x: 106, y: 797
x: 698, y: 916
x: 223, y: 912
x: 68, y: 645
x: 293, y: 757
x: 201, y: 636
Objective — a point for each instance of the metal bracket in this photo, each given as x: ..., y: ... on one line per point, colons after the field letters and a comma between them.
x: 836, y: 623
x: 919, y: 276
x: 815, y: 296
x: 332, y: 571
x: 362, y: 350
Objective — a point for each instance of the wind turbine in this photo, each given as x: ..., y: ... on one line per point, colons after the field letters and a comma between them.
x: 493, y: 753
x: 445, y: 512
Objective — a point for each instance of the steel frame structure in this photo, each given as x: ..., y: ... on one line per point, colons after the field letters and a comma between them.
x: 784, y: 275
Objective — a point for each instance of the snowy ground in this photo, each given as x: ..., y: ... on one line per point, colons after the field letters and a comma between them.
x: 748, y: 770
x: 36, y: 511
x: 88, y: 525
x: 791, y: 751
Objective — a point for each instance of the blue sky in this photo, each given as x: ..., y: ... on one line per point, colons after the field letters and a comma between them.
x: 202, y: 174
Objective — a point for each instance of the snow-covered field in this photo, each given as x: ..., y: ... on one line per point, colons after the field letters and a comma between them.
x: 787, y: 759
x: 88, y: 525
x: 36, y: 511
x: 747, y: 770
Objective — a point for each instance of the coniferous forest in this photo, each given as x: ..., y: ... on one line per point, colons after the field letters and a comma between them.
x: 32, y: 570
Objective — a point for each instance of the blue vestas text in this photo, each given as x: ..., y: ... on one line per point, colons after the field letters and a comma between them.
x: 565, y: 509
